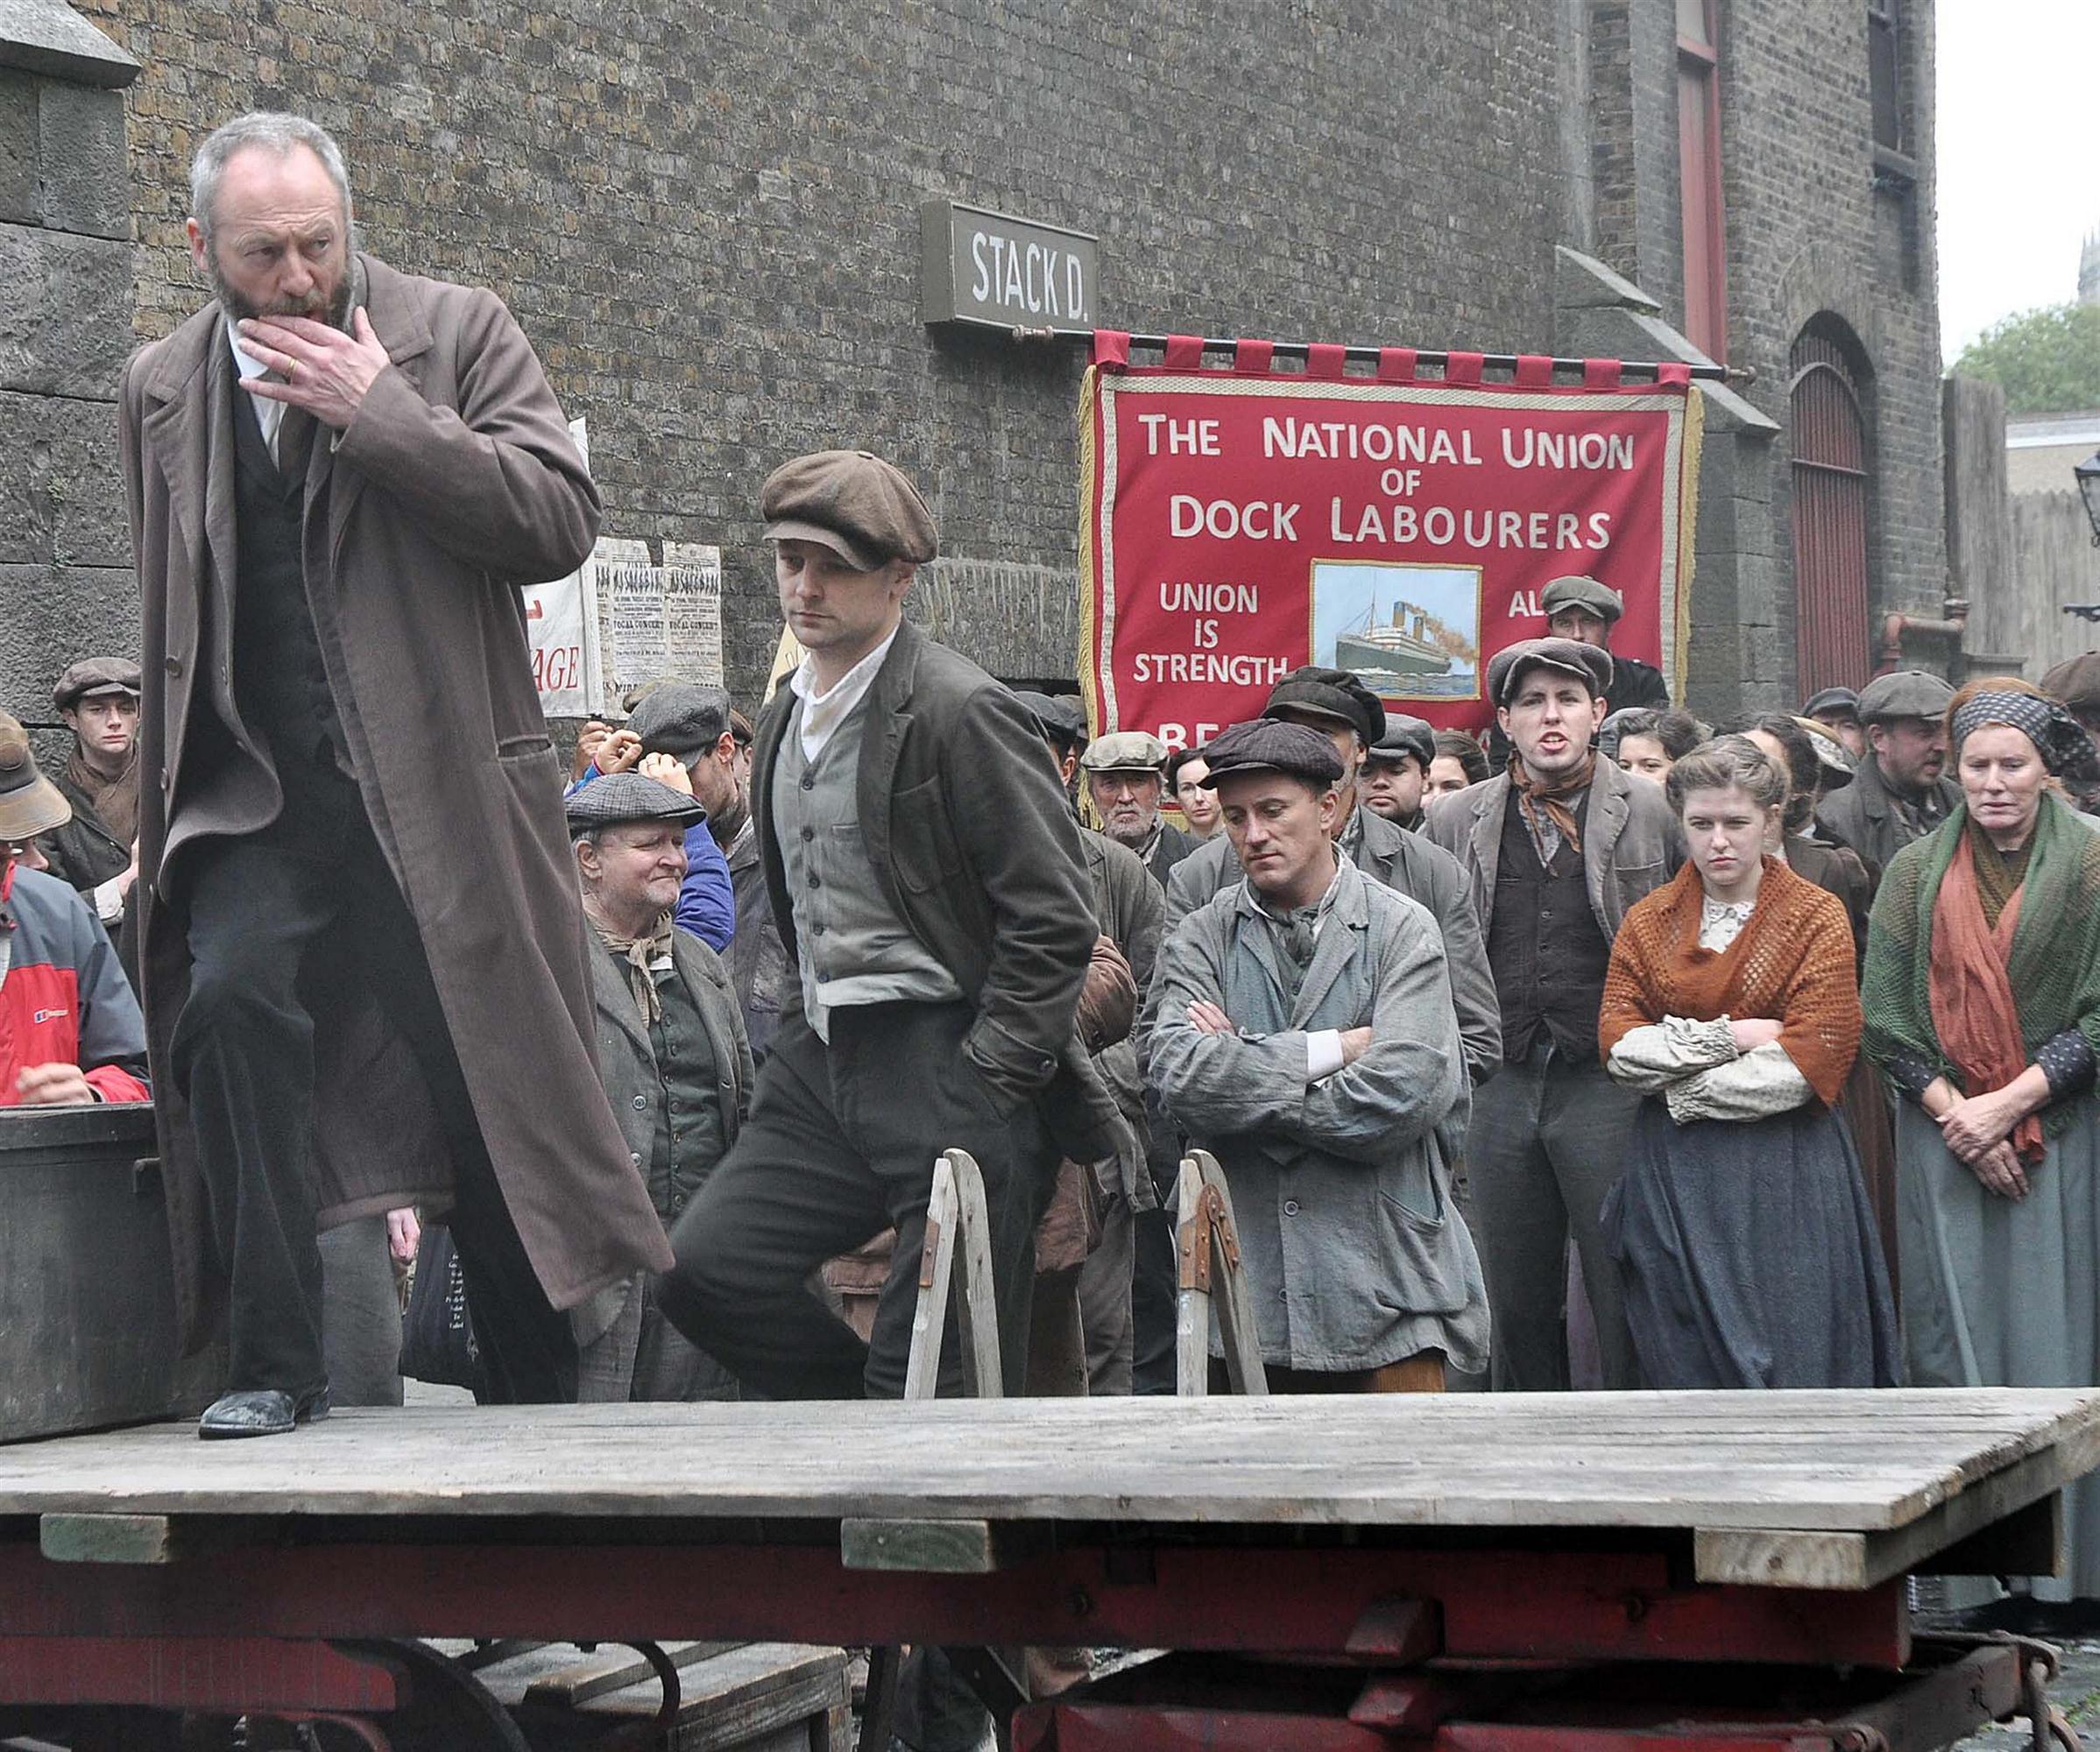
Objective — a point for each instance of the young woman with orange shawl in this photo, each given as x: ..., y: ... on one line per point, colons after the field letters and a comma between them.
x: 1982, y: 1006
x: 1741, y: 1230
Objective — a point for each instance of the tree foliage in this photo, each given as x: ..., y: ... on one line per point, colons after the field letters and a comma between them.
x: 2047, y: 360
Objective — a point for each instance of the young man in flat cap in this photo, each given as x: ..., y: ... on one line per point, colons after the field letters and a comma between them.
x: 941, y: 948
x: 1837, y: 710
x: 1585, y: 610
x: 1306, y: 1036
x: 1556, y: 849
x: 1124, y: 783
x: 1396, y: 770
x: 96, y: 851
x: 677, y: 1065
x: 70, y: 1030
x: 1898, y: 793
x: 1342, y: 708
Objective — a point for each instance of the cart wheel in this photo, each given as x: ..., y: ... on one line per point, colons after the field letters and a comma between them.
x: 444, y: 1707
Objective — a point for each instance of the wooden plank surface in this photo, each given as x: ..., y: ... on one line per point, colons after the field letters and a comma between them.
x: 1854, y: 1462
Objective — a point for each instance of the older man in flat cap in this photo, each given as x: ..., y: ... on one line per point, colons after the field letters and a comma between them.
x: 941, y: 948
x: 1556, y: 849
x: 1898, y: 794
x: 677, y: 1065
x: 1585, y: 610
x: 1342, y: 709
x: 96, y: 850
x: 1125, y: 779
x: 1305, y: 1036
x: 1396, y: 768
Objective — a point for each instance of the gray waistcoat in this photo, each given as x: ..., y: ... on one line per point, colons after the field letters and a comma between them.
x: 853, y: 947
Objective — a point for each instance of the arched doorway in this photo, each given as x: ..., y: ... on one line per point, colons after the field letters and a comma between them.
x: 1831, y: 486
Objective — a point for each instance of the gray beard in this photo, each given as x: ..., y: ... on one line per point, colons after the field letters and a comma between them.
x: 238, y: 308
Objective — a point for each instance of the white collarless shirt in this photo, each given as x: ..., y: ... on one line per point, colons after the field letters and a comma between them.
x: 269, y: 414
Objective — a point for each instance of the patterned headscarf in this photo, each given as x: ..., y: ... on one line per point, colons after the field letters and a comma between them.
x: 2066, y: 749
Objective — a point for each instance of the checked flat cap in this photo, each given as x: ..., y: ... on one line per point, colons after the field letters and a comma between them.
x: 1265, y: 746
x: 629, y: 797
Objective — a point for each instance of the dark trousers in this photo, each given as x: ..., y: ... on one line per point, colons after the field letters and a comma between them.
x: 284, y: 924
x: 840, y: 1144
x: 1548, y: 1142
x: 1154, y: 1299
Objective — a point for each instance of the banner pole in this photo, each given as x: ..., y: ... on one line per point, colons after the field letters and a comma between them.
x: 1493, y: 361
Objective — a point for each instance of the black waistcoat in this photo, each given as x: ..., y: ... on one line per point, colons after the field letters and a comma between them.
x: 280, y: 685
x: 1545, y: 948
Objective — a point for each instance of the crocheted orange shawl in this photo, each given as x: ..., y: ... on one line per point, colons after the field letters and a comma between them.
x: 1792, y: 962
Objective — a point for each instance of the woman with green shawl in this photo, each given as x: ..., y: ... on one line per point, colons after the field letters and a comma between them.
x: 1982, y: 1007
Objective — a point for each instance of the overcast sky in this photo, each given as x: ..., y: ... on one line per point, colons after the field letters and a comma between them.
x: 2020, y: 157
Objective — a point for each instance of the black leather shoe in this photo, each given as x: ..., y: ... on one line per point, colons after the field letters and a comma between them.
x: 261, y: 1411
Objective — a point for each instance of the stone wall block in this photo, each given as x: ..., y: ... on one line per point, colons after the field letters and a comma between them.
x: 85, y: 184
x: 56, y: 613
x: 65, y: 312
x: 17, y: 148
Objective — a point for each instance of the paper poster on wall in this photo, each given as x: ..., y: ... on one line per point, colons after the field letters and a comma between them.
x: 658, y: 621
x: 560, y: 624
x: 1239, y: 523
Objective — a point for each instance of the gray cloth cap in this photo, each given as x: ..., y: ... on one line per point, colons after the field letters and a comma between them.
x: 95, y: 675
x: 1904, y: 693
x: 1577, y: 591
x: 680, y: 717
x: 1265, y: 744
x: 1832, y: 699
x: 1405, y: 735
x: 629, y: 797
x: 1588, y: 664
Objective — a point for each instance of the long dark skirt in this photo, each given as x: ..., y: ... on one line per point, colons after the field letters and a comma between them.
x: 1750, y: 1255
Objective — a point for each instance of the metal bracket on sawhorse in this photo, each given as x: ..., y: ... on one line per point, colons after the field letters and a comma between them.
x: 1207, y: 1244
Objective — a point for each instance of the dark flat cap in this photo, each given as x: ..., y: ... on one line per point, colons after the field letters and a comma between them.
x: 1334, y: 695
x: 1057, y: 715
x: 1904, y: 693
x: 1405, y: 735
x: 1124, y: 751
x: 629, y: 797
x: 739, y: 727
x: 2076, y: 681
x: 1587, y: 594
x: 1588, y: 664
x: 1265, y: 746
x: 681, y: 718
x: 852, y: 502
x: 1832, y: 700
x: 94, y: 675
x: 30, y: 803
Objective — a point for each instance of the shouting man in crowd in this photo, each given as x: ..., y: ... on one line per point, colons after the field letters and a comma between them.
x: 351, y: 816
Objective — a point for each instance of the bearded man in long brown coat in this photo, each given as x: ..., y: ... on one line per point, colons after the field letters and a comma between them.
x: 363, y: 961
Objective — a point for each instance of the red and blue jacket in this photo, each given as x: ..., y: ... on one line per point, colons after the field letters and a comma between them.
x: 63, y: 998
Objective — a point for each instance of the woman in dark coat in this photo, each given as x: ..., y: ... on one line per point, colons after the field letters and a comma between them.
x: 1741, y: 1231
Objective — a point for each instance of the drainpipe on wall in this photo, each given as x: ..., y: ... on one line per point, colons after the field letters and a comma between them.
x: 1953, y: 628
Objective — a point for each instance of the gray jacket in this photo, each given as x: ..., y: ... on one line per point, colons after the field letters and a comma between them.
x: 1409, y: 865
x: 1631, y: 842
x: 1354, y: 1254
x: 627, y: 1066
x: 1129, y: 908
x: 1863, y: 815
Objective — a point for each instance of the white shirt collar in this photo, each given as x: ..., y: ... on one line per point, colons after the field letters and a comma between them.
x: 268, y: 414
x: 822, y: 713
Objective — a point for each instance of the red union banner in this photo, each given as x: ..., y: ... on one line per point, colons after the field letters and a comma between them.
x: 1239, y: 523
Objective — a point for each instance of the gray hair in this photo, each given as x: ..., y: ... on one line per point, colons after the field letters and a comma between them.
x: 272, y: 130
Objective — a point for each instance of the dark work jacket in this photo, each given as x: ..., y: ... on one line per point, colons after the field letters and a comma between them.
x: 758, y: 962
x: 973, y: 841
x: 82, y: 852
x: 1174, y: 844
x: 1864, y: 815
x: 1637, y: 686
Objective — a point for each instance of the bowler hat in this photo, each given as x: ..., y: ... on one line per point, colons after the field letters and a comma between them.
x: 852, y: 502
x: 1904, y: 693
x: 1587, y: 594
x: 1124, y: 751
x: 1334, y: 695
x: 93, y: 677
x: 620, y: 797
x: 1268, y: 745
x: 1588, y: 664
x: 680, y: 717
x: 30, y: 803
x: 1405, y: 735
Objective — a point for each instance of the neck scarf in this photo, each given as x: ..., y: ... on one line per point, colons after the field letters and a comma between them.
x: 115, y: 800
x: 1544, y: 800
x: 1971, y: 996
x: 641, y: 954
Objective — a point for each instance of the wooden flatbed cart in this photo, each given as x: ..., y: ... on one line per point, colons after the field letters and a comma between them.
x: 1468, y: 1573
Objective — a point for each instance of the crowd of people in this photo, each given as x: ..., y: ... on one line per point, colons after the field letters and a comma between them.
x: 1614, y: 1053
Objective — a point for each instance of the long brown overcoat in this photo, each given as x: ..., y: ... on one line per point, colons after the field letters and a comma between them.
x: 456, y: 483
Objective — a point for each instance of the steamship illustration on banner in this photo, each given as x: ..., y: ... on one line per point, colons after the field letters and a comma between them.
x: 1408, y: 632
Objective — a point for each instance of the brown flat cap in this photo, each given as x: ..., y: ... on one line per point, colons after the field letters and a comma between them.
x: 30, y: 803
x: 852, y: 502
x: 2076, y: 681
x: 93, y: 675
x: 1588, y: 664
